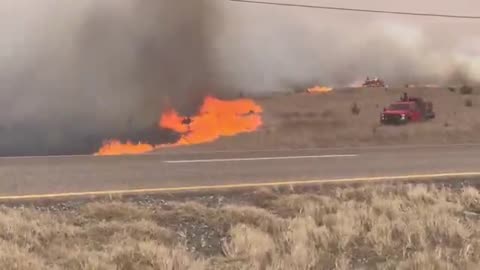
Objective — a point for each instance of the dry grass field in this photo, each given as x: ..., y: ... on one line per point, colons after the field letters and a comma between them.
x: 326, y: 120
x: 363, y: 227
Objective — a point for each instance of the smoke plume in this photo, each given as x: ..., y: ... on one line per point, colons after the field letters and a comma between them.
x: 74, y: 74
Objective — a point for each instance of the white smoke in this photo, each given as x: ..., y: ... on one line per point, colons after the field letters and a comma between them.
x: 268, y: 47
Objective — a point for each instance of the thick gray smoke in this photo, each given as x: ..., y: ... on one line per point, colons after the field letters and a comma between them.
x: 75, y: 73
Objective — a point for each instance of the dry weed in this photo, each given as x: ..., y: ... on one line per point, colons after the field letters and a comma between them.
x: 249, y: 245
x: 368, y: 227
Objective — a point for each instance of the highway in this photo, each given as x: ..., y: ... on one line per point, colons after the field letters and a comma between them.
x: 164, y: 171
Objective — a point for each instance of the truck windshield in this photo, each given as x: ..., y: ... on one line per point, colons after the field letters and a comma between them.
x: 399, y: 107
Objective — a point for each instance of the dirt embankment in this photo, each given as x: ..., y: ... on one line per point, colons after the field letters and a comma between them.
x: 366, y: 227
x: 326, y: 120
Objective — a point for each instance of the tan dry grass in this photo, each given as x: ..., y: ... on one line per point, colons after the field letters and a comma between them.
x: 367, y: 227
x: 333, y: 123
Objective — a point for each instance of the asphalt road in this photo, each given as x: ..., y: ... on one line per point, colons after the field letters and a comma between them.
x: 65, y: 174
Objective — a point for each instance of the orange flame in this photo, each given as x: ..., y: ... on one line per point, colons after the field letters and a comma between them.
x: 216, y: 118
x: 115, y: 147
x: 319, y: 89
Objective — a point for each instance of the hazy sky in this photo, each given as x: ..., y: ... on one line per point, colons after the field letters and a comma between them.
x: 265, y: 46
x: 468, y: 7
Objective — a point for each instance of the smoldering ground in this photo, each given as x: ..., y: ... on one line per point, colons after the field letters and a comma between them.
x: 74, y: 74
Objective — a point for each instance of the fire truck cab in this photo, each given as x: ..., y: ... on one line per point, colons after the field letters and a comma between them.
x: 408, y: 109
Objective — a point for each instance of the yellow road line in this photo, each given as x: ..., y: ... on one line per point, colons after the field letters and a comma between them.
x: 238, y: 186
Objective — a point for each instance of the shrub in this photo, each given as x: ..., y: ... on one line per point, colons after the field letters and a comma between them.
x: 466, y: 90
x: 468, y: 103
x: 355, y: 109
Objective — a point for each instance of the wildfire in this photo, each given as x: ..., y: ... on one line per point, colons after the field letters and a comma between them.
x: 216, y: 118
x: 319, y: 89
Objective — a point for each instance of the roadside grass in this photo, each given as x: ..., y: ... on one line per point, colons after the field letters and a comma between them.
x: 365, y: 227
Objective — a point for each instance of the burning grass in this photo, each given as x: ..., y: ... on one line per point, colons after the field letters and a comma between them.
x: 343, y: 117
x: 217, y: 118
x: 367, y: 227
x: 331, y: 120
x: 319, y: 90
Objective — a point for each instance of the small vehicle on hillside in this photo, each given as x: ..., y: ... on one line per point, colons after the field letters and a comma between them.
x: 408, y: 109
x: 375, y: 82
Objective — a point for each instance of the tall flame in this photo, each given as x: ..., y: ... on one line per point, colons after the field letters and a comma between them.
x: 216, y: 118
